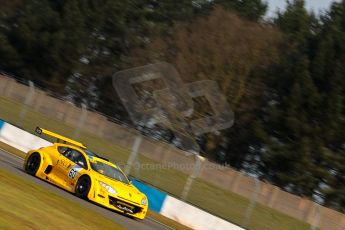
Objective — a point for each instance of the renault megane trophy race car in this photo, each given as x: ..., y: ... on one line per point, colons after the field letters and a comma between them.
x: 69, y: 165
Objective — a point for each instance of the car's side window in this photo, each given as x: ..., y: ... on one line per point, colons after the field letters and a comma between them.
x: 62, y: 149
x: 76, y: 157
x: 67, y: 153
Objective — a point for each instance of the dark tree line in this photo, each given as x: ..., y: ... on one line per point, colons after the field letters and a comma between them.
x: 284, y: 77
x: 302, y: 125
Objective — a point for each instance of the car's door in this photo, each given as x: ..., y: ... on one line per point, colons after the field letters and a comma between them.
x: 79, y: 164
x: 63, y: 164
x: 69, y: 164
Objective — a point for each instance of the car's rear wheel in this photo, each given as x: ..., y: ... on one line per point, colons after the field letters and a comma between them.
x: 33, y: 163
x: 82, y: 187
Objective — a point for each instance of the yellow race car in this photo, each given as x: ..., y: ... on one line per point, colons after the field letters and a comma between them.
x: 69, y: 165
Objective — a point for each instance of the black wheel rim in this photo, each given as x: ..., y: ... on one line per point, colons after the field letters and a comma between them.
x: 33, y: 163
x: 82, y: 186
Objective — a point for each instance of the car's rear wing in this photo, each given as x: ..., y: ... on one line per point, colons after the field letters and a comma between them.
x: 59, y: 138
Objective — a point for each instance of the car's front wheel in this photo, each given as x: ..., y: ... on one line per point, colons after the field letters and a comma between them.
x: 33, y: 163
x: 82, y: 187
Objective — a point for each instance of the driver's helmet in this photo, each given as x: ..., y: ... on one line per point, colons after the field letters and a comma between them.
x: 75, y: 156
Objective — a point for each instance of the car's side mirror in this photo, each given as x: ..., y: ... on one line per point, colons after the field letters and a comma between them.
x: 130, y: 182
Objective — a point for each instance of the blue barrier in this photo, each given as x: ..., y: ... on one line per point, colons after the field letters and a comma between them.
x: 156, y: 198
x: 1, y: 123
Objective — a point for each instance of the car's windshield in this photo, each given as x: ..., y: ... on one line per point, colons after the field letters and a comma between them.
x: 89, y: 153
x: 109, y: 171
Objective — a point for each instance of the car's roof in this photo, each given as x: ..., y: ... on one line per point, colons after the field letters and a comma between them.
x: 91, y: 155
x: 99, y: 159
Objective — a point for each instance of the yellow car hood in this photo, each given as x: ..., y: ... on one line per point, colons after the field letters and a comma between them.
x: 124, y: 191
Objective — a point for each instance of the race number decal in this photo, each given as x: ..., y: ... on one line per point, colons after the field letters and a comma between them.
x: 74, y: 171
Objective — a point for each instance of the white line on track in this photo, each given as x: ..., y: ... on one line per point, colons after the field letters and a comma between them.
x: 160, y: 223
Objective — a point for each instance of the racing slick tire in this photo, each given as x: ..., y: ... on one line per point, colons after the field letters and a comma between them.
x: 33, y: 163
x: 82, y: 187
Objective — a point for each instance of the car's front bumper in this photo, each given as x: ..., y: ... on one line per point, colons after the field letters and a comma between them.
x: 117, y: 203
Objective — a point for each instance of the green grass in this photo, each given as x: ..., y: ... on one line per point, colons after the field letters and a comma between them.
x: 223, y: 203
x: 25, y: 205
x: 228, y: 204
x: 12, y: 150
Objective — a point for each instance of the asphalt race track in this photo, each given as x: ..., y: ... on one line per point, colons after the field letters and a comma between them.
x: 14, y: 164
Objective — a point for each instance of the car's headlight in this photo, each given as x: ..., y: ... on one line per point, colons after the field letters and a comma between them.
x: 108, y: 188
x: 144, y: 201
